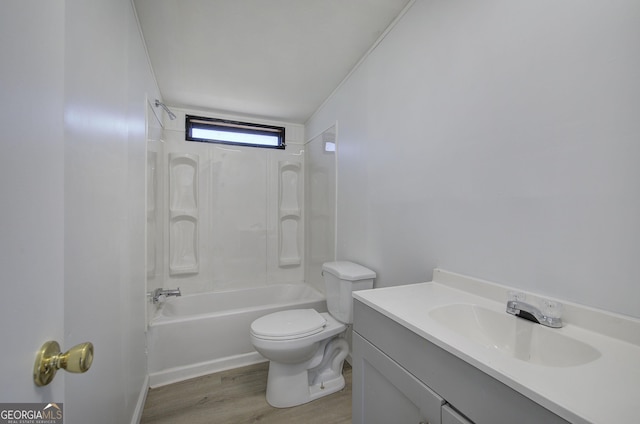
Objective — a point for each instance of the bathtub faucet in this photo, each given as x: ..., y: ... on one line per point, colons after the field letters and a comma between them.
x: 159, y: 295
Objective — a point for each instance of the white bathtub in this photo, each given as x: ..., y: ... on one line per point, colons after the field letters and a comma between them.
x: 203, y: 333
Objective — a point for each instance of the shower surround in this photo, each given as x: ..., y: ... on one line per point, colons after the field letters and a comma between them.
x: 235, y: 214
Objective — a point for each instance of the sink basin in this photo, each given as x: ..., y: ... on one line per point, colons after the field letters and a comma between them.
x: 516, y: 337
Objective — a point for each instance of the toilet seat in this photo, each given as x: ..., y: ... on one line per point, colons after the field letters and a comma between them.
x: 290, y: 324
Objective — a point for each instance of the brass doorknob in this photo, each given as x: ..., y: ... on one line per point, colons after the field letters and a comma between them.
x: 78, y: 359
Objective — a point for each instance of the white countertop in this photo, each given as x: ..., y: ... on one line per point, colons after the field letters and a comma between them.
x: 604, y: 391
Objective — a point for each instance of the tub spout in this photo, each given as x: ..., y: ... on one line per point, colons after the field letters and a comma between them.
x: 159, y: 295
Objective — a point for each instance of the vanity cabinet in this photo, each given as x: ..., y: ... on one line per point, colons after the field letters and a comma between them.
x: 390, y: 394
x: 400, y: 377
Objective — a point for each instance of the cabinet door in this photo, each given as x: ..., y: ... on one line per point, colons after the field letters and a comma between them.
x: 384, y: 392
x: 449, y: 416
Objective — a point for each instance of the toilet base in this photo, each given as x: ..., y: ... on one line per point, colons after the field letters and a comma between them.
x: 292, y: 390
x: 326, y: 388
x: 291, y: 385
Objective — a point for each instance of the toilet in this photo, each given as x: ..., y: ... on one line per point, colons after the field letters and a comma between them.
x: 305, y: 348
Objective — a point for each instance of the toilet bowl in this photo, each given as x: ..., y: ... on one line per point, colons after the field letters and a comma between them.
x: 305, y: 347
x: 292, y: 379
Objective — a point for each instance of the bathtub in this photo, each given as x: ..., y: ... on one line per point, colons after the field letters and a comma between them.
x: 203, y: 333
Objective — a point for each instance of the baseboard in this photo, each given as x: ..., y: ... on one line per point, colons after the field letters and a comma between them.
x: 174, y: 375
x: 137, y: 413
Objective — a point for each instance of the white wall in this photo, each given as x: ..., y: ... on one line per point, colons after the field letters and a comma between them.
x: 497, y: 139
x: 237, y: 209
x: 107, y: 80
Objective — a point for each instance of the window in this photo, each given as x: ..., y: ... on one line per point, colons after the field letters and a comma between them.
x: 212, y: 130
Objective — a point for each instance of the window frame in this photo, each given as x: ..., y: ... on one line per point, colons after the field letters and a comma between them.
x: 201, y: 122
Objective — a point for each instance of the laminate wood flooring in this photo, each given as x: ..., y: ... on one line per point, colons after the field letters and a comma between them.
x: 238, y: 396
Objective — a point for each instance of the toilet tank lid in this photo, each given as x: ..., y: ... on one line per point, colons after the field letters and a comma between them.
x: 349, y: 271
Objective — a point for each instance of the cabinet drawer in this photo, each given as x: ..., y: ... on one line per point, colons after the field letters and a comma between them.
x: 384, y: 392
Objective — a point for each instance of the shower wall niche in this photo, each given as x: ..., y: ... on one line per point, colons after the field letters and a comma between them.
x: 235, y: 213
x: 183, y: 214
x: 290, y: 208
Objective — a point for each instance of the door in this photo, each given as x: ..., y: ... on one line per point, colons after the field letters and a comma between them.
x: 73, y: 80
x: 31, y: 193
x: 384, y: 392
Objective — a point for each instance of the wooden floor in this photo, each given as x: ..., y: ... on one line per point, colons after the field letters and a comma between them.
x: 238, y: 396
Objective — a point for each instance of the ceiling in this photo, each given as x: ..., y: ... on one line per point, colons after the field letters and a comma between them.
x: 277, y: 59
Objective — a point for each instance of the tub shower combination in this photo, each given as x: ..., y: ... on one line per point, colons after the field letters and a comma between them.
x: 203, y: 333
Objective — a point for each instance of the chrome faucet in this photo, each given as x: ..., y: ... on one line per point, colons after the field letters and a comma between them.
x: 160, y: 294
x: 531, y: 313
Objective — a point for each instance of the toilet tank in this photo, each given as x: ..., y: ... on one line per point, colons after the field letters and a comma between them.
x: 340, y: 280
